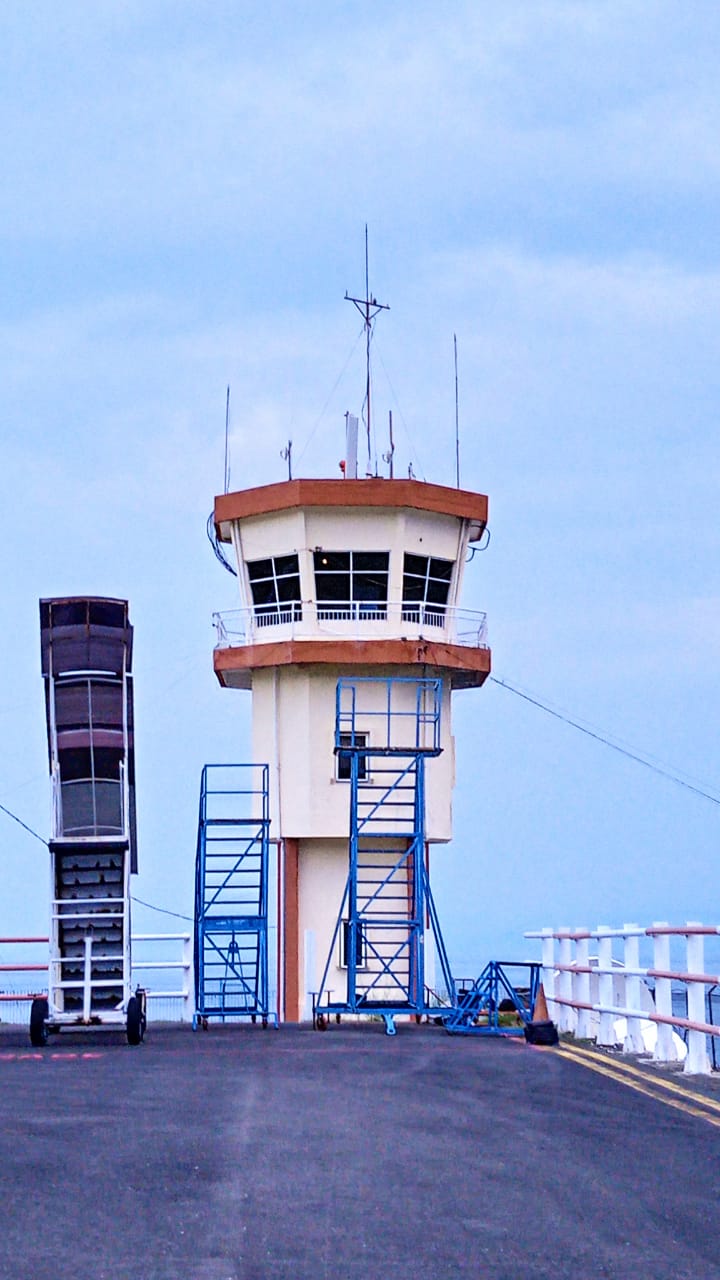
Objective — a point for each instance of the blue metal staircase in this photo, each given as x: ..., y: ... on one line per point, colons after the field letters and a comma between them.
x: 231, y: 895
x: 385, y: 728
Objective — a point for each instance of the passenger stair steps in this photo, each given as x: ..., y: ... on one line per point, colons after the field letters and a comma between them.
x: 89, y: 902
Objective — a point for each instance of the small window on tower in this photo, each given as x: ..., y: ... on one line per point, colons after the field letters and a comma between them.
x: 344, y: 757
x: 275, y: 587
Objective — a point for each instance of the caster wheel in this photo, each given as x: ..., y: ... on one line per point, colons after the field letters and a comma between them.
x: 135, y: 1021
x: 38, y: 1023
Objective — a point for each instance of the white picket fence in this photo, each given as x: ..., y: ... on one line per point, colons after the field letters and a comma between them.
x: 588, y: 991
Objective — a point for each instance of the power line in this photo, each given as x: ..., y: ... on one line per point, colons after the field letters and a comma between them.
x: 163, y: 910
x: 598, y: 737
x: 24, y: 825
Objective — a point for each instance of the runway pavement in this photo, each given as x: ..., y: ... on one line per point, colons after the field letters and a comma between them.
x: 243, y: 1153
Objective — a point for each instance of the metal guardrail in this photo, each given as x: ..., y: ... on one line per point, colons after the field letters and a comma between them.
x: 181, y: 996
x: 567, y: 970
x: 350, y: 619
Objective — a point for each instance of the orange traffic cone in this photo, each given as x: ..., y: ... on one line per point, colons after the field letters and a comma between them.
x: 540, y: 1012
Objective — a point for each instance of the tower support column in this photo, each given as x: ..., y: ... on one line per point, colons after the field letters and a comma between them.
x: 291, y: 930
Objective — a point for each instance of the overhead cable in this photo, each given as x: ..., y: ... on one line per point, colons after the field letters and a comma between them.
x: 24, y: 825
x: 164, y: 911
x: 599, y: 737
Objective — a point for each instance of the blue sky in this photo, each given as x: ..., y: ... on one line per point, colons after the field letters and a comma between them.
x: 184, y: 200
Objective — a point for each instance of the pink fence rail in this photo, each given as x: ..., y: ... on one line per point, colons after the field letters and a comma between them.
x: 623, y: 986
x: 178, y: 1003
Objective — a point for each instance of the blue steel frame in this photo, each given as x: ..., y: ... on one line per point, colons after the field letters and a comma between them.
x: 477, y: 1010
x: 231, y: 895
x: 387, y: 721
x: 387, y: 903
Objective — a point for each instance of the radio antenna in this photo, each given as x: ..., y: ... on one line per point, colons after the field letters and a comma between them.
x: 226, y: 476
x: 388, y: 457
x: 457, y: 421
x: 369, y: 308
x: 286, y: 455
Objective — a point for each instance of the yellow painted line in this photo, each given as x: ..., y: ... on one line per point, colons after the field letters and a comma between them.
x: 620, y: 1078
x: 628, y: 1069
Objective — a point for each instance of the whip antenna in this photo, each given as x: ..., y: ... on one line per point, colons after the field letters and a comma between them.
x: 369, y: 308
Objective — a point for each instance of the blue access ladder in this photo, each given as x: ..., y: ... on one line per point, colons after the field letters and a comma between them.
x: 478, y: 1010
x: 385, y: 729
x: 231, y: 895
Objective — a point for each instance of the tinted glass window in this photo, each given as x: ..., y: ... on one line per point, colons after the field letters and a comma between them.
x: 352, y: 577
x: 260, y: 569
x: 426, y: 581
x: 329, y: 561
x: 275, y: 582
x: 344, y: 757
x: 69, y: 615
x: 106, y: 613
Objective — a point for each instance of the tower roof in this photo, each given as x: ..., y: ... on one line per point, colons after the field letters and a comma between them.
x: 374, y: 492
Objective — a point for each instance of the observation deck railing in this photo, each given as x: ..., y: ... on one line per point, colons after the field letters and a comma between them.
x: 297, y: 620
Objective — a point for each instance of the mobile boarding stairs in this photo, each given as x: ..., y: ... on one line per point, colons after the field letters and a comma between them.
x: 86, y: 645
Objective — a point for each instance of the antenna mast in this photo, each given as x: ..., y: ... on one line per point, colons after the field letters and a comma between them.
x: 226, y: 477
x: 457, y: 421
x: 369, y: 308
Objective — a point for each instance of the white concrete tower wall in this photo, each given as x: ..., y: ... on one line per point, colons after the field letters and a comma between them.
x: 295, y: 545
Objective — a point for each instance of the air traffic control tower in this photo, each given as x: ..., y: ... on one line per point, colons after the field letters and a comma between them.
x: 355, y: 583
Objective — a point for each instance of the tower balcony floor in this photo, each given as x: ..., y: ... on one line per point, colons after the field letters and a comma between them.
x: 465, y: 665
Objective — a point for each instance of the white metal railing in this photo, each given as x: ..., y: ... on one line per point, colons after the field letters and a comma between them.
x: 585, y: 995
x: 182, y: 964
x: 345, y: 619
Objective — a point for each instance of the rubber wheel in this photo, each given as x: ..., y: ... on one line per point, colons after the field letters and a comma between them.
x: 320, y: 1023
x: 39, y: 1010
x: 135, y: 1021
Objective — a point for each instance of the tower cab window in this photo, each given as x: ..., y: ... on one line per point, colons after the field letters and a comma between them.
x: 275, y: 587
x: 351, y: 584
x: 426, y: 586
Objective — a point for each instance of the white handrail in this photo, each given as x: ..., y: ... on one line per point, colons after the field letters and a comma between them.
x: 139, y: 966
x: 350, y: 618
x: 567, y: 971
